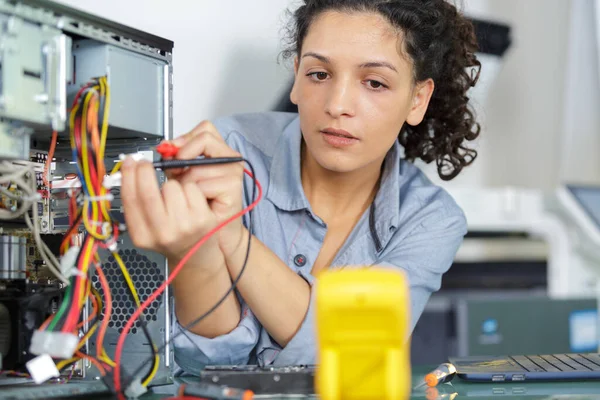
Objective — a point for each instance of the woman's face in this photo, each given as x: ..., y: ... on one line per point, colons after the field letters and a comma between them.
x: 354, y: 90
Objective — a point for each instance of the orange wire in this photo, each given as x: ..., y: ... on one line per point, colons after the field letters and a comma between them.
x: 93, y: 360
x: 92, y: 315
x: 46, y: 322
x: 92, y: 119
x: 49, y: 160
x: 107, y: 313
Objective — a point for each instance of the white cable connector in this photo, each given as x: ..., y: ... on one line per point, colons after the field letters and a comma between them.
x: 139, y: 156
x: 112, y: 180
x: 135, y: 389
x: 42, y: 368
x: 67, y: 262
x: 54, y: 344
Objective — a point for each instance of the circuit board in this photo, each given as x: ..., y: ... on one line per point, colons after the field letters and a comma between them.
x: 35, y: 268
x: 37, y: 160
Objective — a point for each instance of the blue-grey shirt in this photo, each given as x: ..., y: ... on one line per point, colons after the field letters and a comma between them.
x: 412, y: 225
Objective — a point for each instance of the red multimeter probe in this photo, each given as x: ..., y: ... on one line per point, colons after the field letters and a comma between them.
x: 167, y: 150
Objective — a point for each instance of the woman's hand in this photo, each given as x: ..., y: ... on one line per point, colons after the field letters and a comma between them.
x: 221, y: 184
x: 217, y: 190
x: 168, y: 220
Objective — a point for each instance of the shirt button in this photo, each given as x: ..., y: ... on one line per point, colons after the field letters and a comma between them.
x: 300, y: 260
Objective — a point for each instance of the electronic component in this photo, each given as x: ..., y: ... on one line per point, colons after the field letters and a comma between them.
x: 32, y: 267
x: 43, y: 188
x: 136, y: 83
x: 42, y: 368
x: 35, y: 65
x: 13, y: 252
x: 262, y: 380
x: 363, y: 334
x: 52, y: 52
x: 211, y: 391
x: 23, y: 308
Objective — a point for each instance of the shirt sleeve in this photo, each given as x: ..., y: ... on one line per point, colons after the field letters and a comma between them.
x: 425, y: 255
x: 193, y: 352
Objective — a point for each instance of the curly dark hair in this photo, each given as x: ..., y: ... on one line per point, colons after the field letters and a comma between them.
x: 441, y: 43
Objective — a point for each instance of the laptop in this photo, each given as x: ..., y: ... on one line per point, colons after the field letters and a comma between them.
x: 552, y: 367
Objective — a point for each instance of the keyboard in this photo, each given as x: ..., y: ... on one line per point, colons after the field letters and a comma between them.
x: 559, y: 362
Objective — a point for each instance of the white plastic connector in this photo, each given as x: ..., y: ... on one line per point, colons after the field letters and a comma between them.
x: 55, y: 344
x: 135, y: 389
x: 112, y: 180
x: 139, y: 156
x: 67, y: 262
x: 42, y: 368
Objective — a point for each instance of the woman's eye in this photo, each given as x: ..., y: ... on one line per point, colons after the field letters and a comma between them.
x: 318, y: 76
x: 376, y: 84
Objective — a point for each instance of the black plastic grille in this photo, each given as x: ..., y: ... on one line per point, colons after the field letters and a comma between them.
x: 146, y: 277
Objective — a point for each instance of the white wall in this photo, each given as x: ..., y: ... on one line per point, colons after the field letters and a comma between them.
x: 580, y: 145
x: 225, y: 61
x: 226, y: 51
x: 522, y: 115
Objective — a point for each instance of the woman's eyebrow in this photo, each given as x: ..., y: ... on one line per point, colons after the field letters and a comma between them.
x: 378, y: 64
x: 319, y: 57
x: 369, y: 64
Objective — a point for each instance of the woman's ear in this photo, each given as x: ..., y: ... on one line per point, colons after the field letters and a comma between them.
x: 420, y: 101
x: 293, y: 93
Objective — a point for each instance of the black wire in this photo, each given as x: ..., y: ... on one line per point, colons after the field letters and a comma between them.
x: 218, y: 303
x: 166, y: 164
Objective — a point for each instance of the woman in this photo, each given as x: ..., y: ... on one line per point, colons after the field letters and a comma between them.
x: 378, y: 83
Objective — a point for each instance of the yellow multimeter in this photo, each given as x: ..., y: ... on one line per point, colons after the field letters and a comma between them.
x: 362, y: 321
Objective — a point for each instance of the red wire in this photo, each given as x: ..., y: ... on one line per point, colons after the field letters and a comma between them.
x: 76, y: 99
x: 107, y: 313
x: 49, y: 159
x: 157, y: 292
x: 77, y: 136
x: 73, y: 316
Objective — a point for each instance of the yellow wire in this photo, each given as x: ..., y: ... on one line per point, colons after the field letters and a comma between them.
x: 117, y: 167
x: 86, y: 170
x: 87, y: 292
x: 137, y: 302
x: 104, y: 134
x: 87, y: 175
x: 61, y: 364
x: 84, y: 146
x: 104, y: 90
x: 104, y: 93
x: 87, y: 251
x: 84, y: 163
x: 107, y: 359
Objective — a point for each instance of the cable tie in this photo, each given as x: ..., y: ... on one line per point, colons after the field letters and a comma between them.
x: 106, y: 197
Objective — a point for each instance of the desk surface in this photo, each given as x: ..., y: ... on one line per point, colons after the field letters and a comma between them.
x: 458, y: 390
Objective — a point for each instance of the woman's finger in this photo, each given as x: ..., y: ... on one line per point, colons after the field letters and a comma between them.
x: 130, y: 198
x: 150, y: 199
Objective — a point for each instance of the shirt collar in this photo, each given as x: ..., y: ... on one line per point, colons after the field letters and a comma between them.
x: 387, y: 201
x: 285, y: 184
